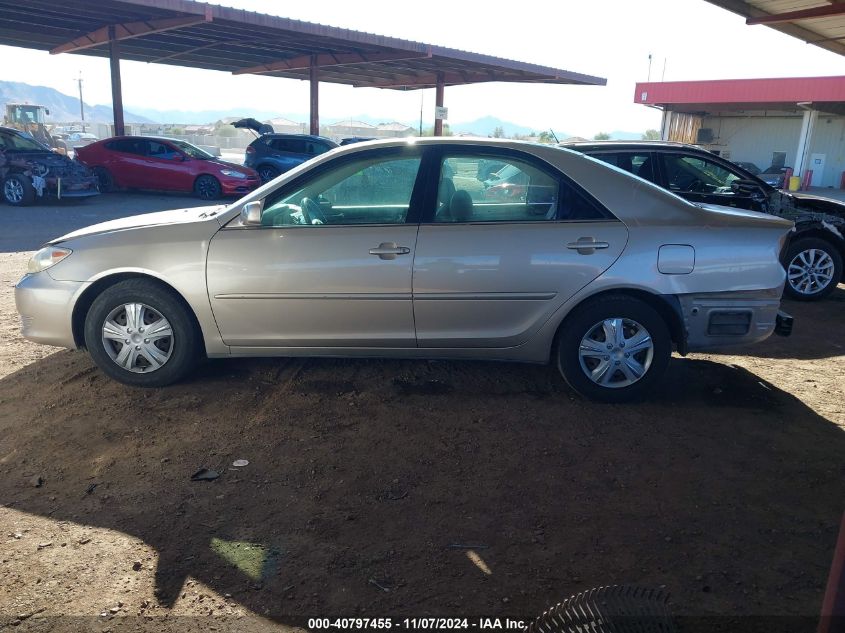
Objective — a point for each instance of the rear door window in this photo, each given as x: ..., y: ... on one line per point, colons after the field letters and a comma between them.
x: 292, y: 145
x: 518, y: 191
x: 128, y: 146
x: 638, y: 163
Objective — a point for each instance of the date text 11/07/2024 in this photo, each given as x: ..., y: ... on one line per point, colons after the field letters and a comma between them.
x: 413, y: 624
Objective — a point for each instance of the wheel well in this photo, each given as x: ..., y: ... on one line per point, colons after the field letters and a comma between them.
x: 203, y: 176
x: 83, y: 304
x: 822, y: 234
x: 667, y: 306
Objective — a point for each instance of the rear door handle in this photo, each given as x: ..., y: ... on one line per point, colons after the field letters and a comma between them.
x: 587, y: 245
x: 389, y: 250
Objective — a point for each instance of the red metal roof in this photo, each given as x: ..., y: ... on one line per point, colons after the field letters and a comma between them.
x: 790, y: 91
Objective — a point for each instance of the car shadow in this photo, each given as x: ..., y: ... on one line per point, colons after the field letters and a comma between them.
x: 411, y: 488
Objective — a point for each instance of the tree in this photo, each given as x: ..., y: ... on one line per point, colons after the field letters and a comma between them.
x: 602, y: 136
x: 545, y: 137
x: 651, y: 135
x: 499, y: 132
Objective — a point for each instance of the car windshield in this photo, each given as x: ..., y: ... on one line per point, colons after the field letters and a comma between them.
x: 192, y: 150
x: 11, y: 141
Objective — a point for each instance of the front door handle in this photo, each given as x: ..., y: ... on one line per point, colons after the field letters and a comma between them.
x: 389, y: 250
x: 587, y: 245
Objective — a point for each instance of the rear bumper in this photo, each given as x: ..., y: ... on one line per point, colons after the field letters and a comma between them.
x: 734, y: 318
x: 783, y: 323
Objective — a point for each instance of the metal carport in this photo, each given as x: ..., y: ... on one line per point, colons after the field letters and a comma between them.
x: 202, y: 35
x: 818, y: 22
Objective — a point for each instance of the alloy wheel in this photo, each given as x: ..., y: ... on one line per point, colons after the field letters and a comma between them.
x: 616, y: 352
x: 810, y: 271
x: 13, y: 190
x: 138, y: 338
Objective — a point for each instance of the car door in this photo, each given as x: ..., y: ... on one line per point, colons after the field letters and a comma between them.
x: 709, y: 181
x: 125, y: 160
x: 166, y: 168
x: 494, y: 261
x: 330, y: 265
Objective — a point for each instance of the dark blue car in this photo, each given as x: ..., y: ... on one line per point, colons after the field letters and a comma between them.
x: 274, y: 154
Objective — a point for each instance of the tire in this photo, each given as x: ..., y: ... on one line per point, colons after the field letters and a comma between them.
x: 105, y: 180
x: 268, y: 173
x: 813, y: 269
x: 176, y: 354
x: 18, y: 190
x: 207, y: 188
x: 642, y: 327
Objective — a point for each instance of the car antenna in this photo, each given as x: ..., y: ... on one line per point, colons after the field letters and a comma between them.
x: 554, y: 135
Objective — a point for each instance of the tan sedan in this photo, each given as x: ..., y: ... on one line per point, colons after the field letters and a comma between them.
x: 398, y: 249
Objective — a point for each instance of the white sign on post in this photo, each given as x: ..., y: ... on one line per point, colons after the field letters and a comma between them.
x: 441, y: 112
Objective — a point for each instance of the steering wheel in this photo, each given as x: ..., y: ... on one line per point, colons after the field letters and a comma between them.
x: 311, y: 212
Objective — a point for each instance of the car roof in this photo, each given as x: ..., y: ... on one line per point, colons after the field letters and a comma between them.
x: 647, y: 145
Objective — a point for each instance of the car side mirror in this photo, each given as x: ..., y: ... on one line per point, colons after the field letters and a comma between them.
x: 251, y: 213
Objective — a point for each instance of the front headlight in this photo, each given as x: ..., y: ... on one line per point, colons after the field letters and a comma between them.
x: 46, y: 257
x: 233, y: 173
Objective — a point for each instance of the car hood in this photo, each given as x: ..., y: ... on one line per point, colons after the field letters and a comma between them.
x: 50, y: 159
x: 813, y: 202
x: 227, y: 165
x: 48, y: 164
x: 176, y: 216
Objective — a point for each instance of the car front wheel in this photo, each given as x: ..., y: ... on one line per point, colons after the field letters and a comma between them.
x: 207, y: 188
x: 141, y: 334
x: 613, y: 349
x: 18, y: 190
x: 813, y: 269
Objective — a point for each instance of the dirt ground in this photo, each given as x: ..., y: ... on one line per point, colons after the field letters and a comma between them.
x: 408, y: 488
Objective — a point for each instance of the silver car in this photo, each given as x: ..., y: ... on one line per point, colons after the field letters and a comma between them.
x: 394, y: 249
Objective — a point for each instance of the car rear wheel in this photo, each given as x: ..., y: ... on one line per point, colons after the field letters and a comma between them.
x: 813, y: 269
x: 105, y: 180
x: 268, y: 173
x: 613, y: 349
x: 207, y: 188
x: 18, y: 190
x: 141, y: 334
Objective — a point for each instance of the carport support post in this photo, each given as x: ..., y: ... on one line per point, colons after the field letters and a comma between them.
x: 315, y: 95
x: 804, y: 140
x: 438, y: 102
x: 116, y: 90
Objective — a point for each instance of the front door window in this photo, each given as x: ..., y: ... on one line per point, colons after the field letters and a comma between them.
x: 375, y: 190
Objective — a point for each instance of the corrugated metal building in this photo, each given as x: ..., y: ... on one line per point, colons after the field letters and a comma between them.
x: 792, y: 122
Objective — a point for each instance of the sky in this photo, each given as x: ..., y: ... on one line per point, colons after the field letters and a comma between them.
x: 687, y: 39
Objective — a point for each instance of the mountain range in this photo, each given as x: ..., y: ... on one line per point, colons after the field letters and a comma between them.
x: 65, y: 108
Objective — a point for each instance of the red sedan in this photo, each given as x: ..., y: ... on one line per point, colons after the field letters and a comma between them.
x: 144, y: 162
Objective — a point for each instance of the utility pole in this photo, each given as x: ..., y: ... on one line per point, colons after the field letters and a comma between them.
x: 422, y: 94
x: 81, y: 105
x: 649, y: 67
